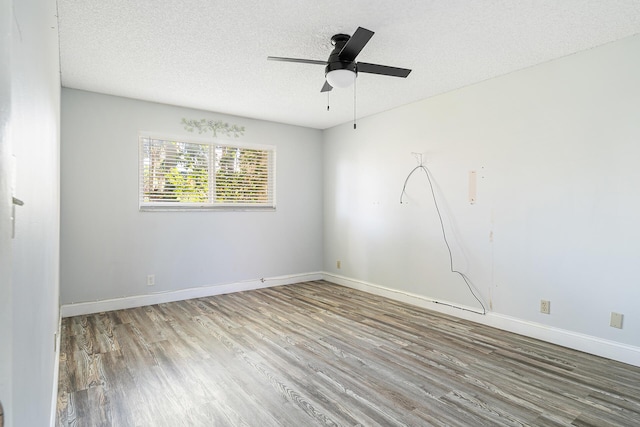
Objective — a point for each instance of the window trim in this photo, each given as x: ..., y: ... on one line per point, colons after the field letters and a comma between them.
x: 216, y: 206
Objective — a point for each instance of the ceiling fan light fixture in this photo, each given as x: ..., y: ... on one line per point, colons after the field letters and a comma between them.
x: 341, y: 68
x: 341, y: 78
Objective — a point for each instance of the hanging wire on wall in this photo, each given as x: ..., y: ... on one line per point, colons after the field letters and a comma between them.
x: 466, y: 279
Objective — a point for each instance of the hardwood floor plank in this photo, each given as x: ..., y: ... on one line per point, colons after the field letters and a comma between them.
x: 315, y: 353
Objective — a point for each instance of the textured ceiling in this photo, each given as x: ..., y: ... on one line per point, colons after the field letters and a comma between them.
x: 212, y: 55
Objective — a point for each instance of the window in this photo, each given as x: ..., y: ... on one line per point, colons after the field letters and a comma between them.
x: 179, y: 174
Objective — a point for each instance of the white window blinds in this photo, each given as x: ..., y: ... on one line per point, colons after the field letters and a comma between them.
x: 182, y: 174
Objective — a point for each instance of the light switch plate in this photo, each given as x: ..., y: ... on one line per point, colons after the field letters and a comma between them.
x: 616, y: 320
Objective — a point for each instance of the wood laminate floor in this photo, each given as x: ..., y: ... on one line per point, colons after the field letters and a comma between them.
x: 321, y: 354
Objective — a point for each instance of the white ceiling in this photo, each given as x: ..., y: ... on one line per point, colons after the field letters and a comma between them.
x: 212, y: 55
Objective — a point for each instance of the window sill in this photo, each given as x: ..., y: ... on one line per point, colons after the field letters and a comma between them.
x: 207, y: 208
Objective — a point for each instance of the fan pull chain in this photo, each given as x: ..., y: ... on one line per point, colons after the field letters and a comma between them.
x: 354, y: 101
x: 328, y: 92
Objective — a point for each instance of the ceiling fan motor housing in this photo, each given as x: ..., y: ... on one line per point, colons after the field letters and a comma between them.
x: 334, y: 62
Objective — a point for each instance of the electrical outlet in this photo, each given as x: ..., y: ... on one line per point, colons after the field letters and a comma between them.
x: 616, y: 320
x: 545, y: 306
x: 338, y: 265
x: 151, y: 280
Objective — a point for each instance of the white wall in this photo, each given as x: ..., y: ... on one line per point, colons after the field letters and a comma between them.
x: 108, y: 247
x: 6, y: 308
x: 34, y: 138
x: 556, y: 148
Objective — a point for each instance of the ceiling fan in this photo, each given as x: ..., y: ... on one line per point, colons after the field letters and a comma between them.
x: 341, y: 68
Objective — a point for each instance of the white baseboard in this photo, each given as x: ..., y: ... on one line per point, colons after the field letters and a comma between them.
x: 577, y: 341
x: 81, y: 308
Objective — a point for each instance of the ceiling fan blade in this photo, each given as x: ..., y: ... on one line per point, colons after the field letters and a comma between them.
x: 355, y: 44
x: 327, y: 87
x: 303, y: 61
x: 384, y: 70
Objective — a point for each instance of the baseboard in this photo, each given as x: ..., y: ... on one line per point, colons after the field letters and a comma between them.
x: 82, y: 308
x: 577, y: 341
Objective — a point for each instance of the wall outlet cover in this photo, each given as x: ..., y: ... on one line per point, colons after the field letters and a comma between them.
x: 545, y: 306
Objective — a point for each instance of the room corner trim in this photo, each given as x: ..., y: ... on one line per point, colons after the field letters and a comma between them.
x: 56, y: 373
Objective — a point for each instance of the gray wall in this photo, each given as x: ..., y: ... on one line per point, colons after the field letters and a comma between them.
x: 556, y: 148
x: 34, y: 140
x: 108, y: 247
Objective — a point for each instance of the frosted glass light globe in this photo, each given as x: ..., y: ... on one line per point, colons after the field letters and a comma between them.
x: 341, y: 78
